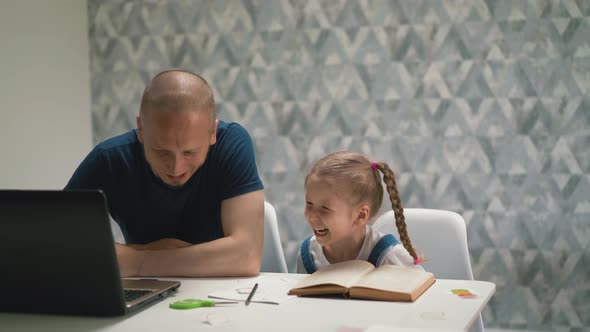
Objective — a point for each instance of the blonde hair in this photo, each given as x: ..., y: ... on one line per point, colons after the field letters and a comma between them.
x: 356, y: 173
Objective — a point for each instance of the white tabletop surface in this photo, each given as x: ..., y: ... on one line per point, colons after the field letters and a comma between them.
x: 436, y: 309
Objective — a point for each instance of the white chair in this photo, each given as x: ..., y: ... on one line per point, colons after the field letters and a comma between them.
x: 273, y: 259
x: 441, y: 237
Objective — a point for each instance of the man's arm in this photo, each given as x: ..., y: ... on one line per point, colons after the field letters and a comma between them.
x: 162, y: 244
x: 239, y: 253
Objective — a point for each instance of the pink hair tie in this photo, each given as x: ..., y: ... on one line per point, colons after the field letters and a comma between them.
x: 417, y: 261
x: 374, y: 166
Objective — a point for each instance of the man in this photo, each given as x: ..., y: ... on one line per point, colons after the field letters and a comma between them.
x: 183, y: 186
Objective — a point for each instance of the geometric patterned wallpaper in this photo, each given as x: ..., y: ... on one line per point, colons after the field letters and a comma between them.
x: 481, y: 107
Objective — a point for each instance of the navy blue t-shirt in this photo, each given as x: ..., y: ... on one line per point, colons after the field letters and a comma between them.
x: 147, y: 209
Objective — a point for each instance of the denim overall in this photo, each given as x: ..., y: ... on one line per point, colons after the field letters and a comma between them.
x: 378, y: 250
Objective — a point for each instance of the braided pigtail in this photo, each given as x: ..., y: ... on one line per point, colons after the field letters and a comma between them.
x: 396, y: 205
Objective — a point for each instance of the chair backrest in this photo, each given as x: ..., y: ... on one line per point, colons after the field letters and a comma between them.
x: 441, y: 237
x: 438, y: 235
x: 273, y: 259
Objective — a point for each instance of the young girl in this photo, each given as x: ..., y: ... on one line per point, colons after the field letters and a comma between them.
x: 342, y: 192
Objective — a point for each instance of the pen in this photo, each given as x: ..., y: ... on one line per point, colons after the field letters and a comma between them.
x: 251, y: 295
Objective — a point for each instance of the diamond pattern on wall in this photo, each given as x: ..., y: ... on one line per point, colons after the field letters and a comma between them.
x: 481, y: 107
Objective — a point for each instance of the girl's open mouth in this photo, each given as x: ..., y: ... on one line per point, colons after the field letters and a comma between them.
x: 320, y: 232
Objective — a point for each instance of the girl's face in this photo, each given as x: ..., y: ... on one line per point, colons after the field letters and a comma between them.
x: 330, y: 214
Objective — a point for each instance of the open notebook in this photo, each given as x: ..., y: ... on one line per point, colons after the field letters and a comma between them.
x: 58, y: 257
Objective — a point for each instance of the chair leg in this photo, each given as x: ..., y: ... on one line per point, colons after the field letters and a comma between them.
x: 477, y: 325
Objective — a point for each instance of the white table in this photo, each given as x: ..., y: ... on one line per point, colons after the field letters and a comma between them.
x: 436, y: 309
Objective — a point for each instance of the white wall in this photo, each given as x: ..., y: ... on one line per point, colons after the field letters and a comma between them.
x: 45, y: 126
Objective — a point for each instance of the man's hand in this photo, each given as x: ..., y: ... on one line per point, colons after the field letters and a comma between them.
x: 129, y: 259
x: 162, y: 244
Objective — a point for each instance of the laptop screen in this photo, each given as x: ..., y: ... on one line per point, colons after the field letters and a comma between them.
x: 57, y: 253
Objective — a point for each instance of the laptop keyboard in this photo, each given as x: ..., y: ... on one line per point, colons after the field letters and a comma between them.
x: 134, y: 294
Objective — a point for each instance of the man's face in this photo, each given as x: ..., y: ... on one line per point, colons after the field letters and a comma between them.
x: 175, y: 143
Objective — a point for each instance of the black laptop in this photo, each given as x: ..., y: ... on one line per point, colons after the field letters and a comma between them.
x: 57, y: 256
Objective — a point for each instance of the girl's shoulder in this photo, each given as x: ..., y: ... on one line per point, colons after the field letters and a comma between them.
x: 373, y: 236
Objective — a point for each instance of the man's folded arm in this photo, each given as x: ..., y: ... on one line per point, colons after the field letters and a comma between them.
x: 239, y: 253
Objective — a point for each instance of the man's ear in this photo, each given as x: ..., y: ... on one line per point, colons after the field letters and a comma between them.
x: 139, y: 128
x: 362, y: 215
x: 213, y: 137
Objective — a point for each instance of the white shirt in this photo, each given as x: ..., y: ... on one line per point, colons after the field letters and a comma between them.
x: 394, y: 255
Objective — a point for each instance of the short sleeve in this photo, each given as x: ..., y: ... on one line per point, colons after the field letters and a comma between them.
x: 89, y: 174
x: 398, y: 255
x: 237, y: 161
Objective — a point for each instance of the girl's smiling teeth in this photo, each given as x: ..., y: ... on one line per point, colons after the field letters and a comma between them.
x: 320, y: 231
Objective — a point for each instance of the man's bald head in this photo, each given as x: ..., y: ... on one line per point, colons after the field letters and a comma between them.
x: 178, y: 91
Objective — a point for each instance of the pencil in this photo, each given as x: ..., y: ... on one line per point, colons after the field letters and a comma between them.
x: 251, y: 295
